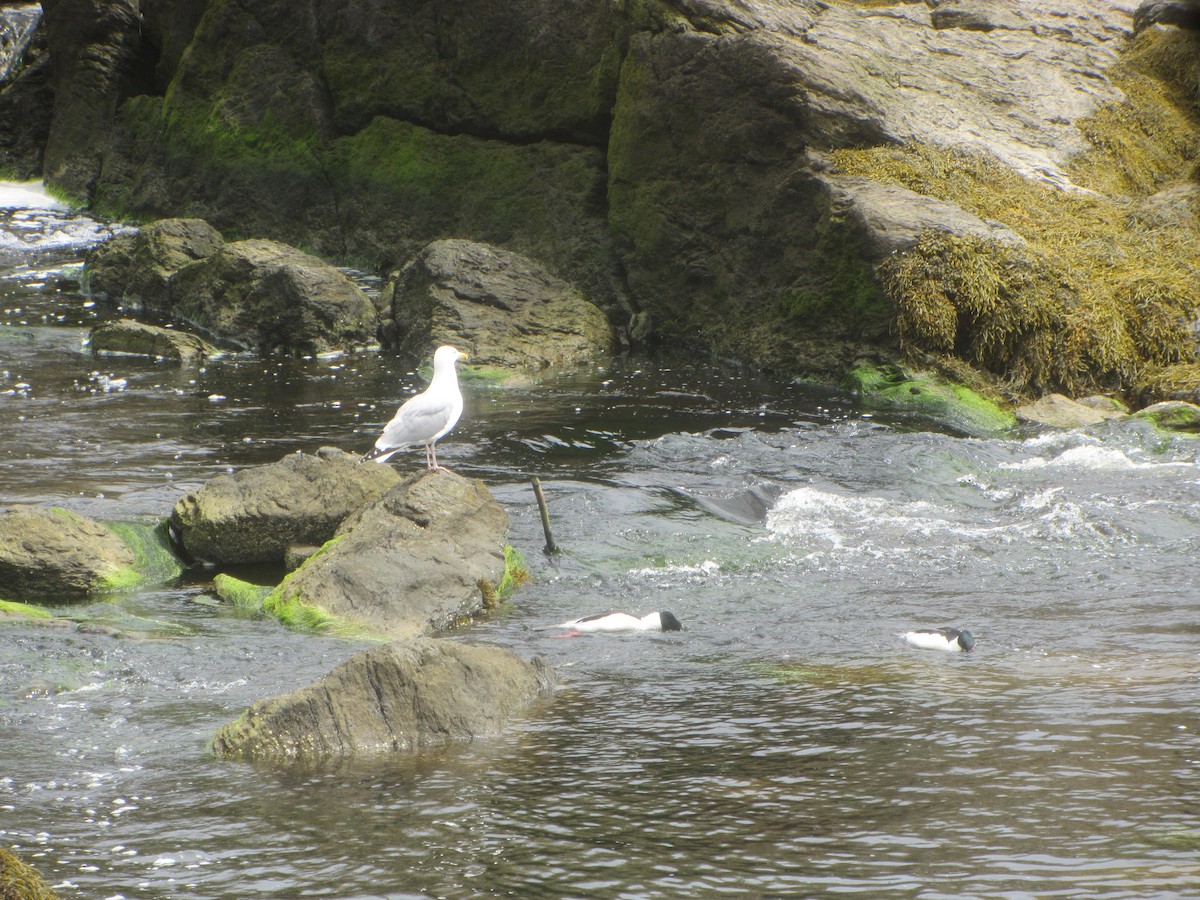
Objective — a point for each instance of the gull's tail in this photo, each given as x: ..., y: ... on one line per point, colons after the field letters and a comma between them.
x: 379, y: 454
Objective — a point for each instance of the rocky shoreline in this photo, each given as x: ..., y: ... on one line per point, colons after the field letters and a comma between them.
x: 1002, y: 187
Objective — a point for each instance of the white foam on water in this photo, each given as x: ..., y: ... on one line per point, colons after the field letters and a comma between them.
x: 28, y: 195
x: 1090, y: 457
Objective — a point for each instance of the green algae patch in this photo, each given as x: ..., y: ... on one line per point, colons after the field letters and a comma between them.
x: 155, y: 559
x: 302, y: 613
x: 241, y: 594
x: 928, y: 396
x: 516, y: 572
x: 495, y: 376
x: 1173, y: 415
x: 13, y: 609
x: 1100, y: 297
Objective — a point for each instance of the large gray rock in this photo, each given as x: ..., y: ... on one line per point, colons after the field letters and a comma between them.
x: 395, y: 698
x: 264, y: 295
x: 255, y: 514
x: 423, y: 555
x: 55, y: 554
x: 254, y: 294
x: 503, y: 308
x: 134, y: 270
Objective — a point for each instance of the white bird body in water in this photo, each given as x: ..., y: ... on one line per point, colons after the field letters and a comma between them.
x: 953, y: 640
x: 617, y: 622
x: 424, y: 419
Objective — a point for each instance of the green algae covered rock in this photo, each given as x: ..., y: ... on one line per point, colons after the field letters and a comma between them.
x: 924, y: 395
x: 425, y: 554
x: 60, y: 555
x: 1173, y: 415
x: 57, y: 555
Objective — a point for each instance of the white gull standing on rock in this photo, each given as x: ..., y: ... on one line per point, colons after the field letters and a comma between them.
x: 428, y: 416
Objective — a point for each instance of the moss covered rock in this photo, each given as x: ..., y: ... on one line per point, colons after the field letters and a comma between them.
x: 925, y: 396
x: 55, y: 554
x: 692, y: 167
x: 410, y: 562
x: 1173, y: 415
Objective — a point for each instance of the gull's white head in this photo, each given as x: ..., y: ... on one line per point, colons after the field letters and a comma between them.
x: 446, y: 356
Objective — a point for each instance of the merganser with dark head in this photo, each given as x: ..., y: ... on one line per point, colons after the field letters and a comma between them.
x: 951, y: 640
x: 620, y: 622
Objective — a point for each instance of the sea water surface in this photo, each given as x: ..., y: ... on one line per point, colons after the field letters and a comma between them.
x: 787, y: 743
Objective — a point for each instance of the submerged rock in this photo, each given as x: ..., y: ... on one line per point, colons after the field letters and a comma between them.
x: 395, y: 698
x: 55, y: 554
x: 505, y: 309
x: 1058, y: 411
x: 254, y: 515
x: 424, y: 554
x: 928, y: 396
x: 126, y: 336
x: 1173, y: 415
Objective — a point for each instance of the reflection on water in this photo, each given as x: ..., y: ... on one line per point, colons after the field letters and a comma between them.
x: 786, y: 743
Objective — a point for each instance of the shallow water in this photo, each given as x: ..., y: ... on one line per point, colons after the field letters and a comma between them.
x: 787, y: 743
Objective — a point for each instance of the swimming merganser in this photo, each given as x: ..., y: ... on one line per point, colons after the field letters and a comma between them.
x: 952, y: 640
x: 615, y: 622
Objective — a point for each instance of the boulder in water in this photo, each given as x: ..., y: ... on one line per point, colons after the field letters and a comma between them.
x: 134, y: 270
x: 56, y: 554
x: 254, y: 515
x: 1058, y: 411
x: 424, y: 554
x: 253, y: 294
x: 505, y: 309
x: 264, y: 295
x: 1173, y: 415
x: 395, y: 698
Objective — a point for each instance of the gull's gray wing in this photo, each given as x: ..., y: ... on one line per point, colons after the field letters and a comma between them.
x: 417, y: 422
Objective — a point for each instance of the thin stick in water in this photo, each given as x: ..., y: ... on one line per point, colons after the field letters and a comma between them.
x: 551, y: 547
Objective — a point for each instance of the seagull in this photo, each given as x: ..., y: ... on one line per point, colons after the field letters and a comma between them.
x: 952, y: 640
x: 428, y: 416
x: 617, y: 622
